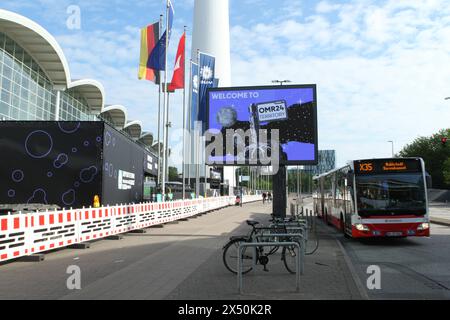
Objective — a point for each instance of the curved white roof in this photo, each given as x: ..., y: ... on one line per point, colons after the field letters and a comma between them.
x: 155, y: 147
x: 147, y: 138
x: 134, y: 128
x: 118, y: 114
x: 92, y: 90
x: 45, y: 51
x: 40, y: 44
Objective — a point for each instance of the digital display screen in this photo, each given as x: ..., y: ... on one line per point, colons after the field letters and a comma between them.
x: 287, y: 114
x: 387, y: 165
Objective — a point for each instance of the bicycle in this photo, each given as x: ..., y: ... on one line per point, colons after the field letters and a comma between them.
x: 301, y: 221
x: 261, y: 256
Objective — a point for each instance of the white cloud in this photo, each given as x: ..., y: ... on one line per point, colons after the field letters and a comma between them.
x: 326, y: 7
x: 381, y: 67
x: 381, y: 70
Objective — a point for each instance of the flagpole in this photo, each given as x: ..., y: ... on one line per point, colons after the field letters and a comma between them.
x: 165, y: 147
x: 184, y: 117
x: 189, y: 117
x: 166, y: 169
x: 197, y: 173
x: 159, y: 109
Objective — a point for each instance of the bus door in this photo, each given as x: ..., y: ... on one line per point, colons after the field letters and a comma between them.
x: 348, y: 194
x: 322, y: 197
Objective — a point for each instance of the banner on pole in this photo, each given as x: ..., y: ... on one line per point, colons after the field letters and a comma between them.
x: 157, y: 57
x: 178, y: 71
x: 207, y: 64
x: 195, y: 82
x: 149, y: 38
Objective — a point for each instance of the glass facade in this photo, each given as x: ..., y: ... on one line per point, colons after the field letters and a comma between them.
x: 26, y: 93
x: 127, y: 131
x: 107, y: 118
x: 74, y: 107
x: 327, y: 162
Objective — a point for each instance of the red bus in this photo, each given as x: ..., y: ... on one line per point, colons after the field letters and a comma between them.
x: 375, y: 198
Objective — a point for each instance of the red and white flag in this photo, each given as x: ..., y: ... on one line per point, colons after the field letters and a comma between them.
x: 178, y: 71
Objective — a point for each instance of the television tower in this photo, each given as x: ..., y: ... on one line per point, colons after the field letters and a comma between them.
x: 211, y: 35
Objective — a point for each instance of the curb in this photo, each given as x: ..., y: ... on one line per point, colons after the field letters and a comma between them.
x: 351, y: 267
x: 443, y: 222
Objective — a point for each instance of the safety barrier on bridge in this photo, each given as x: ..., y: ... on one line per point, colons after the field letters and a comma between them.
x: 23, y: 234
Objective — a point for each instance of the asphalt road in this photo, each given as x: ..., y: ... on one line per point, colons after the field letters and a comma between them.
x: 411, y: 268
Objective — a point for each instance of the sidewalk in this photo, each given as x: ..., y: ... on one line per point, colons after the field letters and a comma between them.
x: 440, y: 213
x: 326, y: 276
x: 181, y: 261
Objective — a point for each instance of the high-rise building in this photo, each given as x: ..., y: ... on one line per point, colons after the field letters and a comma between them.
x: 326, y: 162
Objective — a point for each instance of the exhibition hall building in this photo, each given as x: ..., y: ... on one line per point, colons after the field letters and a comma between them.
x: 38, y: 94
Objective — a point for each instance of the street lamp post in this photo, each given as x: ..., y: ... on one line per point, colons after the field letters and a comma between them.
x: 392, y: 145
x: 281, y: 82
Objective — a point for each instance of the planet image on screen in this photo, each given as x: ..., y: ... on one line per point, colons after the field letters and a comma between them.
x: 227, y: 116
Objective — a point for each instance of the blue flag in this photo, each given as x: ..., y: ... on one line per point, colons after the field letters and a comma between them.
x: 157, y: 60
x: 207, y: 66
x: 193, y: 116
x: 194, y: 93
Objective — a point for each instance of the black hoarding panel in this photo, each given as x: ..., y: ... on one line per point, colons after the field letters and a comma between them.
x: 123, y: 167
x: 50, y: 162
x: 150, y: 164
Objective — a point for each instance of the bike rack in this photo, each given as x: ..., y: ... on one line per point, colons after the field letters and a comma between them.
x: 269, y: 244
x: 290, y: 235
x: 292, y: 225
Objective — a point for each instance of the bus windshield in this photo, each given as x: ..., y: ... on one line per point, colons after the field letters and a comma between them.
x: 391, y: 194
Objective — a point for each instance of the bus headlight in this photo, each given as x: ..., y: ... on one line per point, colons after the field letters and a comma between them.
x: 361, y: 227
x: 423, y: 226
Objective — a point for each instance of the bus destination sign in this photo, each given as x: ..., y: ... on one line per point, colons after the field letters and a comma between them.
x: 385, y: 166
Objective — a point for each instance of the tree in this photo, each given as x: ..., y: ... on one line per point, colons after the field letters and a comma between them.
x: 305, y: 181
x: 446, y: 171
x: 173, y: 174
x: 435, y: 154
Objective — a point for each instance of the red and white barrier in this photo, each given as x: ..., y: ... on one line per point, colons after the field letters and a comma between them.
x: 23, y: 234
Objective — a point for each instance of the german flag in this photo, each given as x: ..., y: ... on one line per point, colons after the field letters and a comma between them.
x: 149, y: 39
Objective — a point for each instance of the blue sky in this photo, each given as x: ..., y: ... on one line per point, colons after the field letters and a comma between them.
x: 382, y: 67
